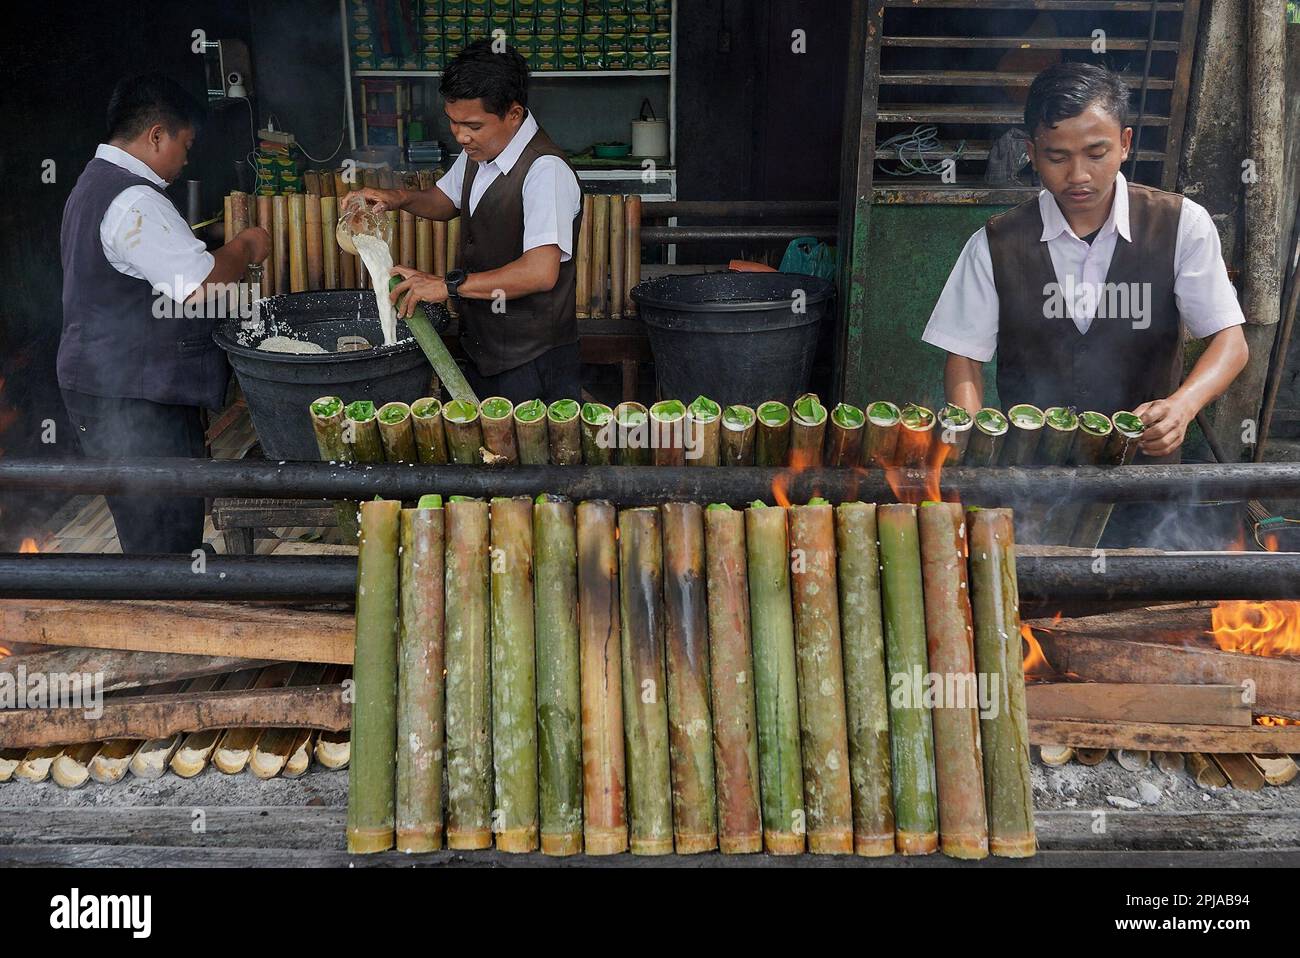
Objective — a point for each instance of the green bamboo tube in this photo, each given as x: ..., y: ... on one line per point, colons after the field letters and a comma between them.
x: 1004, y: 733
x: 633, y: 429
x: 866, y: 693
x: 430, y: 438
x: 564, y: 432
x: 915, y: 435
x: 881, y: 442
x: 396, y: 432
x: 361, y: 427
x: 807, y: 431
x: 460, y: 424
x: 916, y: 821
x: 297, y: 242
x: 959, y: 769
x: 497, y: 418
x: 704, y: 426
x: 775, y: 684
x: 434, y: 349
x: 420, y: 679
x: 955, y: 428
x: 469, y: 701
x: 1060, y: 424
x: 731, y: 668
x: 667, y: 433
x: 514, y: 676
x: 645, y: 704
x: 598, y: 434
x: 604, y: 816
x: 987, y: 437
x: 772, y: 444
x: 739, y: 430
x: 828, y: 800
x: 1023, y: 436
x: 686, y: 639
x: 327, y: 422
x: 844, y: 435
x: 1120, y: 449
x: 372, y: 773
x: 530, y: 433
x: 559, y: 699
x: 1088, y: 448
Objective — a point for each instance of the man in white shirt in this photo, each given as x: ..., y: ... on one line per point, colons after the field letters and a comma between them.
x: 520, y: 207
x: 1086, y: 291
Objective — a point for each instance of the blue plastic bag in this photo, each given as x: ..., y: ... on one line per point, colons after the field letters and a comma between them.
x: 808, y: 255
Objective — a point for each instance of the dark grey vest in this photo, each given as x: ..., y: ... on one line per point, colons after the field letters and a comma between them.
x: 112, y: 344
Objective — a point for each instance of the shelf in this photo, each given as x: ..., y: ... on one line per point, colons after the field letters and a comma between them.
x: 929, y: 192
x: 537, y: 75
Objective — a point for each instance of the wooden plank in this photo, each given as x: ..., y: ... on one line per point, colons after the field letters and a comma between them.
x: 1133, y: 702
x: 1178, y: 101
x: 1259, y: 739
x: 121, y: 669
x: 242, y: 630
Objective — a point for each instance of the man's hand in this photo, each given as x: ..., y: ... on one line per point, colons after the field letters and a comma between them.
x: 1166, y: 422
x: 257, y: 243
x: 383, y: 199
x: 423, y: 287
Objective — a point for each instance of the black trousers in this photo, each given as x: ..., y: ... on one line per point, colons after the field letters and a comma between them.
x: 552, y: 375
x: 111, y: 428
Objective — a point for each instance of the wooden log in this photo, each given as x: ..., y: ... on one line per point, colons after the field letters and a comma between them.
x: 582, y: 257
x: 272, y: 750
x: 424, y: 245
x: 150, y: 760
x: 113, y: 670
x: 314, y: 246
x: 297, y: 212
x: 632, y: 256
x: 235, y: 747
x: 196, y: 749
x: 329, y: 214
x: 440, y: 247
x: 406, y: 226
x: 266, y: 220
x: 1138, y: 702
x: 1204, y: 772
x: 280, y: 241
x: 1255, y: 739
x: 599, y: 256
x: 617, y: 254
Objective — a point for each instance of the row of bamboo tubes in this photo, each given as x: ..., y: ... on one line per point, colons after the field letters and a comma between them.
x: 609, y: 256
x: 684, y: 679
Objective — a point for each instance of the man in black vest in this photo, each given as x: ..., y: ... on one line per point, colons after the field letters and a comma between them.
x: 1085, y: 291
x: 520, y: 207
x: 132, y: 373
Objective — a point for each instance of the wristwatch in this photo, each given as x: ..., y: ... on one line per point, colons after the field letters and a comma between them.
x: 453, y: 279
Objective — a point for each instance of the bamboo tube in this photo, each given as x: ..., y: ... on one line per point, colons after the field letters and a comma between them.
x: 460, y: 423
x: 1060, y: 424
x: 1134, y: 760
x: 633, y: 429
x: 772, y: 447
x: 468, y: 688
x: 987, y: 438
x: 439, y: 247
x: 880, y: 445
x: 370, y: 178
x: 1087, y: 449
x: 530, y: 433
x: 297, y: 242
x: 667, y: 433
x: 420, y: 693
x: 314, y: 249
x: 9, y: 760
x: 645, y: 708
x: 514, y: 676
x: 916, y: 823
x: 866, y: 692
x: 227, y: 222
x: 271, y: 751
x: 599, y: 256
x: 112, y: 762
x: 828, y: 801
x: 327, y: 184
x: 1004, y: 733
x: 955, y: 427
x: 240, y: 212
x: 406, y: 225
x: 775, y: 683
x: 1205, y: 773
x: 739, y: 429
x: 559, y: 696
x: 1170, y: 761
x: 395, y: 235
x: 1121, y: 449
x: 329, y: 214
x: 632, y: 256
x: 617, y: 256
x: 342, y: 186
x: 311, y: 182
x: 327, y: 419
x: 424, y: 245
x: 686, y: 640
x: 430, y: 440
x: 280, y: 241
x: 234, y: 748
x: 1084, y: 756
x: 334, y: 749
x: 807, y: 431
x: 731, y: 669
x: 582, y: 267
x: 372, y: 774
x: 265, y: 220
x: 844, y: 435
x: 1056, y: 754
x: 915, y: 434
x: 958, y: 765
x: 397, y: 432
x: 603, y: 773
x: 1023, y: 436
x: 71, y: 768
x: 497, y: 416
x: 194, y: 752
x: 598, y: 439
x: 361, y: 425
x: 453, y: 243
x: 34, y: 767
x: 300, y: 754
x: 703, y: 433
x: 564, y: 433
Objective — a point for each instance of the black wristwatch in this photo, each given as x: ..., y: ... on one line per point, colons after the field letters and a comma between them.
x: 453, y: 279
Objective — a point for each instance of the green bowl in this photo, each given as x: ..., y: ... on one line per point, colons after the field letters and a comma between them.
x: 611, y: 151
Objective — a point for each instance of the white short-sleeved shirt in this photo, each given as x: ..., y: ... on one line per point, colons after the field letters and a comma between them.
x: 552, y: 197
x: 965, y: 319
x: 145, y: 236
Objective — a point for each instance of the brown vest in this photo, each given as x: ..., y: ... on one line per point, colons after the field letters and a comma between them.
x: 494, y: 236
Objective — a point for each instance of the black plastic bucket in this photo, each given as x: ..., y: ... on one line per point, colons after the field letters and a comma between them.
x: 279, y: 386
x: 734, y: 337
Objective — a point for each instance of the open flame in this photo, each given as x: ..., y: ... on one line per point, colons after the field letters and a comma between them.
x: 29, y: 545
x: 1035, y: 662
x: 1257, y: 628
x: 915, y: 473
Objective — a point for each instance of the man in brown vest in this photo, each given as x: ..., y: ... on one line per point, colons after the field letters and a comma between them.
x: 520, y: 206
x: 1085, y: 291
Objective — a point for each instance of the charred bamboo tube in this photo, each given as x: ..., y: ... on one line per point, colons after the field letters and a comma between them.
x: 297, y: 242
x: 772, y: 446
x: 9, y: 761
x: 314, y: 246
x: 343, y: 182
x: 329, y: 215
x: 775, y: 683
x: 1004, y: 734
x: 987, y: 438
x: 645, y: 706
x: 1059, y: 427
x: 397, y: 432
x: 372, y: 774
x: 731, y: 671
x: 327, y: 422
x: 703, y: 428
x: 959, y: 768
x: 583, y: 259
x: 955, y: 426
x: 530, y: 433
x: 598, y: 439
x: 632, y: 214
x: 667, y: 432
x: 739, y: 430
x: 1121, y: 448
x: 453, y: 243
x: 311, y: 182
x: 564, y: 432
x: 559, y: 697
x: 514, y: 675
x: 828, y: 801
x: 265, y: 219
x: 424, y: 245
x: 880, y: 446
x: 686, y: 638
x: 604, y: 817
x: 599, y: 256
x: 420, y: 691
x: 497, y: 415
x: 866, y: 693
x: 280, y: 241
x: 617, y: 256
x: 460, y: 423
x: 1087, y: 449
x: 915, y: 434
x: 844, y: 435
x: 439, y: 248
x: 807, y: 431
x: 633, y: 429
x: 361, y: 427
x: 406, y: 226
x: 468, y: 689
x: 1023, y: 436
x: 430, y: 439
x: 916, y: 820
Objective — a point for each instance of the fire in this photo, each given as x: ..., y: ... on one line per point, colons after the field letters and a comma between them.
x: 1274, y: 720
x: 1035, y: 663
x: 781, y: 483
x: 917, y: 484
x: 1257, y: 628
x: 29, y: 545
x: 4, y: 652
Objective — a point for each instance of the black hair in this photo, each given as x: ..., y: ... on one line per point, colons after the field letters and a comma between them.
x: 1065, y: 90
x: 138, y: 102
x: 480, y: 72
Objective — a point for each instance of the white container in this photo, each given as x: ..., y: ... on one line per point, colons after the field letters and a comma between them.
x: 650, y: 138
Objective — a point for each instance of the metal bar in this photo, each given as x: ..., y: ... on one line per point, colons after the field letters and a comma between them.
x: 1281, y: 347
x: 985, y: 78
x: 1178, y: 100
x: 1175, y: 577
x: 711, y: 234
x: 735, y: 208
x: 1142, y: 96
x: 967, y: 113
x: 939, y: 193
x: 1127, y: 6
x: 1030, y: 43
